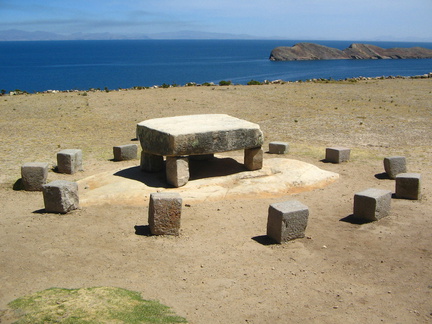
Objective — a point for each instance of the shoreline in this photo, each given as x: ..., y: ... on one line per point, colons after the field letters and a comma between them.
x: 221, y: 83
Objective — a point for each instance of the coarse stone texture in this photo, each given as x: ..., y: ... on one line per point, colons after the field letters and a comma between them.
x: 337, y: 154
x: 69, y: 161
x: 393, y: 165
x: 164, y: 213
x: 34, y: 175
x: 197, y: 135
x: 287, y: 220
x: 151, y: 163
x: 372, y: 204
x: 177, y: 170
x: 253, y: 158
x: 125, y: 152
x: 408, y: 186
x: 278, y: 147
x: 60, y: 196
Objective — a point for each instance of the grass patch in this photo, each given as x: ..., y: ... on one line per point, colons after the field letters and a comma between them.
x: 90, y: 305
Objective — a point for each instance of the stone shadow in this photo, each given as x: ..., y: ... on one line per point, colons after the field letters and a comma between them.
x: 142, y: 230
x: 198, y: 169
x: 264, y: 240
x: 352, y: 219
x: 382, y: 176
x: 150, y: 179
x: 214, y: 167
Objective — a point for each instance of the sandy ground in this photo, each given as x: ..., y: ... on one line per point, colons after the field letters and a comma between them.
x: 222, y: 268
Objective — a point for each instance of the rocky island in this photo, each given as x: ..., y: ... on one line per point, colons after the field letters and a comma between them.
x: 311, y: 51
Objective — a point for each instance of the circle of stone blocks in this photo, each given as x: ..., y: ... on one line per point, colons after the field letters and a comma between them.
x: 253, y: 158
x: 278, y: 147
x: 60, y: 196
x: 287, y: 220
x: 164, y: 213
x: 408, y: 186
x: 69, y: 161
x: 393, y: 165
x: 34, y: 175
x: 372, y: 204
x: 337, y: 154
x: 125, y: 152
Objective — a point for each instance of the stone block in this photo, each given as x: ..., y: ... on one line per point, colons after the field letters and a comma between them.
x: 393, y: 165
x: 337, y: 154
x: 177, y: 170
x: 69, y: 161
x: 125, y: 152
x: 164, y: 213
x: 150, y: 162
x: 372, y: 204
x: 287, y: 220
x: 60, y: 196
x: 253, y: 158
x: 34, y: 175
x: 197, y: 134
x: 408, y: 186
x: 278, y: 147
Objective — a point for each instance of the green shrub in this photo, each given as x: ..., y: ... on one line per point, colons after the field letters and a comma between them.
x: 254, y: 82
x: 225, y: 83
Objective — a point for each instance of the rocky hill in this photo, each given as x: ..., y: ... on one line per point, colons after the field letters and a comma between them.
x: 311, y: 51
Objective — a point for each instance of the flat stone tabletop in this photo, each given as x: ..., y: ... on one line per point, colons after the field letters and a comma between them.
x: 197, y: 134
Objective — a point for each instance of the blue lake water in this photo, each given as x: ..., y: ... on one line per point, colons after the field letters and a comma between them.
x: 66, y: 65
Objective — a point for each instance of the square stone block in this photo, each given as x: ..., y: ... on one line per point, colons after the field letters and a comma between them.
x: 164, y: 213
x: 253, y: 158
x: 372, y: 204
x: 287, y: 220
x: 278, y: 147
x: 177, y: 170
x: 337, y: 154
x: 150, y: 162
x: 125, y: 152
x: 60, y: 196
x: 34, y: 175
x: 393, y: 165
x: 408, y: 186
x: 69, y: 161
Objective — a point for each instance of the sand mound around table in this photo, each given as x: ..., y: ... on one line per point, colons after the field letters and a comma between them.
x: 215, y: 179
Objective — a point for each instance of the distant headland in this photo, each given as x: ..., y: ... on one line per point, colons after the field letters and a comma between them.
x: 311, y: 51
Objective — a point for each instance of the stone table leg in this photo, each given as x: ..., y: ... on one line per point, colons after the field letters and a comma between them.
x: 151, y: 162
x: 253, y: 158
x: 177, y: 170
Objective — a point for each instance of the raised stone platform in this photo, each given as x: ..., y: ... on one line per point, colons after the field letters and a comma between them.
x: 198, y: 135
x: 223, y: 177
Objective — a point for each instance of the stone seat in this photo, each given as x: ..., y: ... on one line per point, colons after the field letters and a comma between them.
x: 180, y: 136
x: 337, y: 154
x: 60, y: 196
x: 372, y: 204
x: 34, y: 175
x: 125, y: 152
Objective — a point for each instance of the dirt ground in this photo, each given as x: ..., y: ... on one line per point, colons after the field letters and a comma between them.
x: 222, y: 268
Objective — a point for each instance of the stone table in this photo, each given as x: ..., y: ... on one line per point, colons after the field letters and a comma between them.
x: 179, y: 137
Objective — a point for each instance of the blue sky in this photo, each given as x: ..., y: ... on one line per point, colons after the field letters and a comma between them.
x: 291, y: 19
